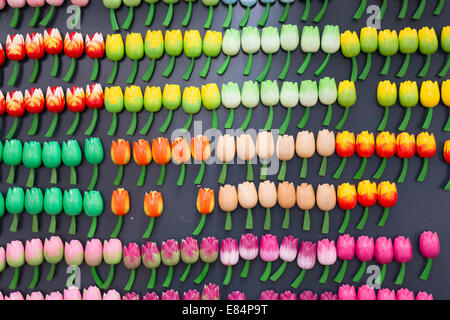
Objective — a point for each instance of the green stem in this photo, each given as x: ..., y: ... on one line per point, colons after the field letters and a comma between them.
x: 162, y: 176
x: 227, y: 279
x: 149, y: 230
x: 54, y: 176
x: 287, y: 120
x: 148, y: 74
x: 384, y: 121
x: 386, y: 67
x: 204, y: 72
x: 362, y: 222
x: 326, y: 271
x: 263, y: 171
x: 249, y: 171
x: 53, y: 125
x: 446, y: 67
x: 224, y: 66
x: 200, y: 226
x: 326, y: 223
x: 361, y: 9
x: 51, y: 272
x: 367, y: 67
x: 117, y: 228
x: 74, y: 125
x: 133, y: 124
x: 418, y: 14
x: 11, y: 175
x: 437, y: 11
x: 447, y: 125
x: 215, y: 120
x: 113, y: 74
x: 305, y: 64
x: 322, y: 67
x: 341, y: 274
x: 151, y: 14
x: 110, y: 277
x: 127, y: 23
x: 73, y: 176
x: 429, y: 116
x: 15, y: 279
x: 167, y: 122
x: 306, y: 221
x: 181, y: 176
x: 305, y: 15
x: 358, y: 175
x: 14, y: 74
x: 168, y: 18
x: 426, y: 271
x: 203, y: 274
x: 73, y: 225
x: 263, y: 20
x: 35, y: 71
x: 223, y: 174
x: 209, y: 19
x: 248, y: 66
x: 340, y: 169
x: 383, y: 9
x: 52, y: 226
x: 328, y: 116
x: 188, y: 268
x: 402, y: 12
x: 249, y: 220
x: 141, y: 179
x: 245, y: 269
x: 267, y: 220
x: 201, y: 172
x: 228, y: 222
x: 34, y: 20
x: 94, y: 73
x: 152, y: 280
x: 269, y: 121
x: 188, y: 15
x: 93, y: 123
x: 35, y: 224
x: 287, y: 64
x: 55, y: 66
x: 93, y: 227
x: 133, y: 73
x: 384, y: 217
x: 230, y: 119
x: 405, y: 120
x: 14, y: 223
x: 279, y: 272
x: 15, y: 19
x: 319, y: 16
x: 247, y: 120
x: 285, y: 14
x: 297, y: 282
x: 71, y: 70
x: 323, y: 167
x: 44, y: 22
x: 304, y: 119
x: 34, y: 125
x: 426, y: 67
x: 286, y: 219
x: 447, y: 186
x: 401, y: 275
x: 96, y: 277
x: 169, y: 277
x: 381, y: 169
x: 226, y: 24
x: 405, y: 66
x: 282, y: 171
x: 119, y: 176
x: 262, y: 76
x: 402, y: 176
x: 379, y: 280
x: 424, y: 171
x: 30, y: 181
x: 360, y: 272
x: 266, y: 274
x: 354, y: 74
x: 344, y: 224
x: 35, y: 279
x: 148, y: 124
x: 130, y: 280
x: 343, y: 119
x: 169, y: 68
x: 113, y: 20
x: 113, y: 127
x: 188, y: 72
x: 244, y: 20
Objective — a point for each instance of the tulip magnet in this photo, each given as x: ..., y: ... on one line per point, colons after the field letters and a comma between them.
x: 211, y: 101
x: 205, y: 206
x: 384, y: 254
x: 32, y: 159
x: 426, y: 148
x: 367, y: 197
x: 306, y: 259
x: 151, y: 259
x: 73, y: 48
x: 308, y: 96
x: 181, y: 154
x: 250, y: 43
x: 54, y: 102
x: 248, y: 250
x: 34, y: 205
x: 192, y: 44
x: 345, y: 251
x: 120, y: 206
x: 350, y: 48
x: 115, y: 51
x: 408, y: 96
x: 15, y: 107
x: 15, y: 51
x: 327, y: 96
x: 408, y: 42
x: 34, y: 104
x: 51, y: 158
x: 269, y: 252
x: 346, y: 98
x: 71, y: 157
x: 365, y: 251
x: 94, y: 154
x: 112, y: 255
x: 132, y: 260
x: 209, y: 252
x: 114, y: 104
x: 387, y: 97
x: 93, y: 208
x: 289, y: 97
x: 330, y: 44
x: 345, y: 148
x: 228, y: 201
x: 429, y: 248
x: 15, y: 258
x: 53, y: 254
x: 93, y: 256
x: 170, y: 256
x: 161, y: 153
x: 94, y: 101
x: 133, y: 102
x: 288, y: 253
x: 229, y: 256
x: 173, y: 45
x: 171, y: 100
x: 72, y: 205
x: 153, y: 208
x: 231, y: 45
x: 402, y: 254
x: 54, y: 45
x: 134, y: 49
x: 250, y: 100
x: 325, y: 146
x: 15, y: 205
x: 369, y: 44
x: 34, y: 48
x: 326, y: 255
x: 405, y: 149
x: 270, y: 44
x: 212, y: 45
x: 326, y: 201
x: 346, y: 198
x: 267, y: 196
x: 289, y: 41
x: 309, y: 43
x: 142, y: 155
x: 76, y: 103
x: 285, y: 152
x: 387, y: 198
x: 12, y: 156
x: 152, y: 103
x: 95, y: 49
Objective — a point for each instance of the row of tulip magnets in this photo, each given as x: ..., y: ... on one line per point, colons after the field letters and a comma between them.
x: 212, y: 292
x: 383, y: 249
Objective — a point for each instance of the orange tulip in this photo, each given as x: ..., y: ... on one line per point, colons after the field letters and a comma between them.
x: 205, y: 205
x: 142, y: 154
x: 73, y: 45
x: 120, y: 206
x: 161, y: 154
x: 345, y: 148
x: 387, y: 198
x: 120, y: 155
x: 153, y: 208
x: 426, y: 148
x: 346, y: 198
x: 367, y: 197
x: 405, y: 149
x: 181, y: 154
x: 385, y: 148
x: 365, y: 148
x: 201, y: 151
x: 34, y: 48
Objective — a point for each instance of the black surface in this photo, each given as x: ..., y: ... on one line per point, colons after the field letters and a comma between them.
x: 421, y: 206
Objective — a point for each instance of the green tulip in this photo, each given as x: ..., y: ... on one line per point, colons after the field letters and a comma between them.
x: 270, y: 44
x: 115, y: 51
x: 134, y: 102
x: 350, y: 48
x: 2, y: 206
x: 53, y: 205
x: 210, y: 4
x: 270, y: 97
x: 386, y: 97
x: 71, y: 157
x: 231, y: 99
x: 289, y: 97
x: 73, y: 205
x: 408, y: 97
x: 94, y: 154
x: 134, y: 48
x: 112, y: 5
x: 130, y: 4
x: 31, y: 158
x: 212, y: 44
x: 93, y: 207
x: 309, y: 96
x: 309, y: 43
x: 34, y: 204
x: 152, y: 103
x: 445, y: 45
x: 173, y: 45
x: 171, y: 100
x: 154, y: 49
x: 169, y: 14
x: 330, y: 44
x: 289, y: 40
x: 192, y: 44
x: 211, y: 101
x: 387, y: 46
x: 408, y: 43
x: 15, y: 204
x: 428, y: 44
x: 1, y: 151
x: 250, y: 43
x: 191, y: 103
x: 250, y: 99
x: 231, y: 45
x: 12, y: 156
x: 346, y: 98
x: 327, y: 96
x: 51, y: 158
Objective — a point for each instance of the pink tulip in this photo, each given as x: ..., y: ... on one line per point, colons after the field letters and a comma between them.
x: 93, y: 253
x: 132, y: 256
x: 73, y: 253
x: 150, y: 296
x: 15, y: 254
x: 288, y: 252
x: 307, y: 296
x: 327, y: 295
x: 53, y: 250
x: 405, y: 294
x: 248, y: 250
x: 366, y: 293
x: 210, y: 292
x: 191, y: 295
x: 189, y: 255
x: 268, y: 294
x: 345, y: 251
x: 2, y: 259
x: 131, y: 296
x: 403, y: 254
x: 112, y: 295
x: 209, y: 251
x: 35, y: 3
x: 55, y: 3
x: 34, y: 252
x: 306, y: 260
x: 1, y: 297
x: 37, y: 295
x: 170, y: 295
x: 92, y: 293
x: 151, y: 257
x: 170, y: 256
x: 424, y: 296
x: 55, y: 295
x: 15, y: 296
x: 229, y: 256
x: 346, y: 292
x: 72, y: 293
x: 326, y: 255
x: 16, y: 3
x: 2, y: 4
x: 269, y: 252
x: 365, y: 251
x: 384, y: 253
x: 288, y: 295
x: 80, y: 3
x: 385, y: 294
x: 112, y: 251
x: 430, y: 248
x: 237, y: 295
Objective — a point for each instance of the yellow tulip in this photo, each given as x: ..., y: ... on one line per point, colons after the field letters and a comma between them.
x: 429, y: 98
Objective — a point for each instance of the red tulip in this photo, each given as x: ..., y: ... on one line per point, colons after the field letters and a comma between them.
x: 2, y: 104
x: 53, y: 44
x: 73, y: 48
x: 55, y: 103
x: 95, y: 49
x: 94, y: 101
x: 15, y: 107
x: 34, y: 104
x: 15, y: 50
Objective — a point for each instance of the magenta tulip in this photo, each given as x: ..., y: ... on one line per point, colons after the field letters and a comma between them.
x: 384, y: 253
x: 229, y: 256
x: 346, y: 292
x: 209, y: 251
x: 191, y: 295
x: 131, y: 296
x: 93, y: 255
x: 405, y: 294
x: 170, y: 256
x: 132, y: 261
x: 112, y: 295
x: 430, y: 248
x: 92, y: 293
x: 288, y: 295
x: 345, y: 251
x: 288, y: 253
x: 385, y: 294
x: 248, y: 250
x: 237, y: 295
x: 402, y: 254
x: 307, y: 295
x: 72, y: 293
x: 150, y: 296
x: 326, y: 255
x: 211, y: 291
x: 170, y: 295
x: 306, y: 260
x: 268, y: 295
x: 366, y: 293
x: 269, y: 252
x: 190, y: 254
x: 151, y: 258
x: 424, y: 296
x: 327, y: 295
x: 365, y: 251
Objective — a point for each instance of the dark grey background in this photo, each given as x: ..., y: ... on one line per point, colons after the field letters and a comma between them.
x: 421, y: 206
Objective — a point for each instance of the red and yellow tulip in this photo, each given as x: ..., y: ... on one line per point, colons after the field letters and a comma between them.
x: 95, y: 49
x: 73, y: 48
x: 385, y: 148
x: 345, y: 148
x: 34, y: 48
x: 153, y: 208
x: 426, y: 148
x: 55, y: 103
x: 365, y: 148
x: 54, y: 45
x: 367, y: 197
x: 162, y: 154
x: 387, y: 198
x: 205, y: 206
x: 76, y: 102
x: 15, y: 107
x: 346, y: 198
x: 34, y: 104
x: 120, y: 155
x: 94, y: 101
x: 15, y: 50
x: 201, y: 151
x: 120, y: 206
x: 405, y: 149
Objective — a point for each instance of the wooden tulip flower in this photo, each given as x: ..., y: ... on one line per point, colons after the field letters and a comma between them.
x: 367, y: 197
x: 205, y: 206
x: 285, y: 151
x: 265, y: 148
x: 305, y: 147
x: 228, y: 201
x: 162, y: 154
x: 120, y: 155
x: 248, y: 198
x: 385, y: 148
x: 365, y: 148
x: 306, y: 200
x: 267, y: 196
x: 225, y: 152
x: 286, y: 199
x: 142, y: 155
x: 405, y: 149
x: 246, y: 151
x: 387, y: 198
x: 181, y: 154
x: 120, y: 206
x: 345, y: 148
x: 346, y: 197
x: 153, y: 208
x: 201, y: 151
x: 426, y: 149
x: 326, y: 201
x: 325, y: 146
